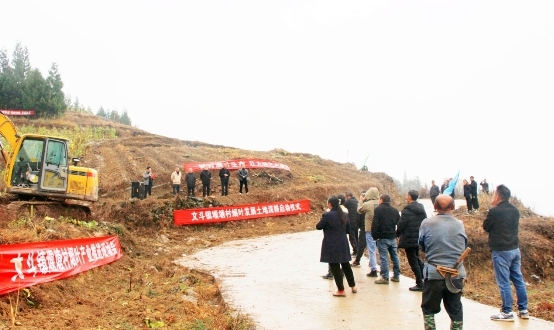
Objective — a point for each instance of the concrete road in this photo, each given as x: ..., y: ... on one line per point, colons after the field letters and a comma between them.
x: 277, y: 281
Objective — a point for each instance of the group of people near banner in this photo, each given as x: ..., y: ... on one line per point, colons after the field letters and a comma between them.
x: 205, y: 178
x: 433, y: 245
x: 470, y: 192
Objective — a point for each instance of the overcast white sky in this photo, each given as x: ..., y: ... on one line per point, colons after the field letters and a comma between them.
x: 423, y: 87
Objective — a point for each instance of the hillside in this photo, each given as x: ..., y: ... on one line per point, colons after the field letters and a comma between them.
x: 146, y: 286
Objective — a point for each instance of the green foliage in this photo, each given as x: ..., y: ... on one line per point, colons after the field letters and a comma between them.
x: 117, y: 229
x: 408, y: 184
x: 21, y: 223
x: 114, y: 115
x: 57, y: 98
x: 35, y: 93
x: 10, y: 93
x: 101, y: 113
x: 86, y: 224
x: 316, y: 178
x: 153, y: 324
x: 125, y: 119
x: 22, y: 87
x: 151, y: 293
x: 78, y: 137
x: 4, y: 61
x: 21, y: 63
x: 199, y: 325
x: 29, y: 299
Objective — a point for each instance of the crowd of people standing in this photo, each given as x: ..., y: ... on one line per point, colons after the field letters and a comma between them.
x: 190, y: 180
x: 432, y: 243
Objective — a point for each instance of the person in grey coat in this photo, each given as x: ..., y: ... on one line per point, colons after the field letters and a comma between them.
x: 148, y: 177
x: 335, y: 249
x: 443, y: 240
x: 243, y: 179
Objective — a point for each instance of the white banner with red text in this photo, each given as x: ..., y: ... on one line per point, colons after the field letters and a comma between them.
x: 235, y: 164
x: 239, y: 212
x: 24, y: 265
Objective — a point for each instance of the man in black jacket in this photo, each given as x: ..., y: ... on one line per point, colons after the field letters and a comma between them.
x: 408, y: 231
x: 502, y: 224
x: 224, y: 176
x: 352, y: 205
x: 444, y: 186
x: 190, y: 179
x: 383, y: 230
x: 205, y: 177
x: 473, y: 193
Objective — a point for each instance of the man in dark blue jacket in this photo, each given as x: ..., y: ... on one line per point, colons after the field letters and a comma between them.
x: 408, y: 231
x: 502, y: 224
x: 383, y: 230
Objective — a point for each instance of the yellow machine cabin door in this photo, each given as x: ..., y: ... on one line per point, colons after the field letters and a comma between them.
x: 54, y: 169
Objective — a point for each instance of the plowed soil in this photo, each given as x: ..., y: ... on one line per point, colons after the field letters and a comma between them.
x: 145, y: 288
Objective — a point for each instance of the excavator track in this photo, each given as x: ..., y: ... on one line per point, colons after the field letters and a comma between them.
x: 18, y: 207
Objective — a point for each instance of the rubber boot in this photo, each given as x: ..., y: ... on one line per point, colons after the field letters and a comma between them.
x: 456, y: 325
x: 429, y: 322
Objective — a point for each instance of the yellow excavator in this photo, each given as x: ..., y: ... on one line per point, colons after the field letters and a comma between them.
x: 38, y: 166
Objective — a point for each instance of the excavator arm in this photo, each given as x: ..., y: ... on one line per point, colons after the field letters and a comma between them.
x: 8, y: 132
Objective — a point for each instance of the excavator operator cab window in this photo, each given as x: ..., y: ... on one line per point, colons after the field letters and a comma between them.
x: 20, y: 177
x: 56, y: 153
x: 28, y: 162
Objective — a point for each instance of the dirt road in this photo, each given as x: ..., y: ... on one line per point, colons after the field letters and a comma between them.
x: 277, y: 280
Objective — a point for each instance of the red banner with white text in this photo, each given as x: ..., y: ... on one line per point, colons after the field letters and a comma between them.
x: 18, y: 112
x: 235, y: 165
x: 24, y: 265
x: 239, y: 212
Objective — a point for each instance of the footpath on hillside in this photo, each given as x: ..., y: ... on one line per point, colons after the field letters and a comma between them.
x: 277, y: 281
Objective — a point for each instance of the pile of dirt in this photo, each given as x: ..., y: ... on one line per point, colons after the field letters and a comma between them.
x: 537, y: 246
x: 145, y: 286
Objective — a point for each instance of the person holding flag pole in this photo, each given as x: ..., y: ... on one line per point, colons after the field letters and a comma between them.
x: 451, y: 186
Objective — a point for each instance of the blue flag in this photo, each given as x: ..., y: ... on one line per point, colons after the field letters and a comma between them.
x: 452, y: 185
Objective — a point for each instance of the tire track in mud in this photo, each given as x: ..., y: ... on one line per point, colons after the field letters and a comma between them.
x: 113, y: 171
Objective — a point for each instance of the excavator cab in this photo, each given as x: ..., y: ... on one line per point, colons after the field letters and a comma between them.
x: 41, y: 164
